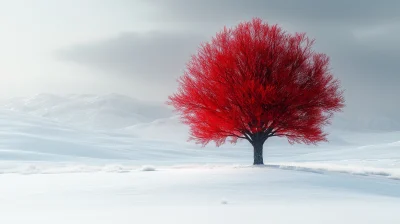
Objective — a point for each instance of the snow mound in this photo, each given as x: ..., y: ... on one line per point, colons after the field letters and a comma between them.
x: 116, y: 169
x: 147, y: 168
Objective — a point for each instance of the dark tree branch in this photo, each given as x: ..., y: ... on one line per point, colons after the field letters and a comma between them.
x: 248, y: 138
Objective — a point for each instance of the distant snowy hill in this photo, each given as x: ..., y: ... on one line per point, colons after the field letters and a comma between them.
x: 170, y: 129
x: 157, y: 122
x: 115, y: 111
x: 111, y: 111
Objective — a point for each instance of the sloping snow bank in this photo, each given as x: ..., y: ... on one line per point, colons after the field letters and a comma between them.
x: 391, y: 173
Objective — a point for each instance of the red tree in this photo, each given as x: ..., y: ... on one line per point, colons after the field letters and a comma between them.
x: 256, y: 81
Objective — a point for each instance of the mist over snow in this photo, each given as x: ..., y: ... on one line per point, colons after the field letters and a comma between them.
x: 116, y: 111
x: 110, y: 111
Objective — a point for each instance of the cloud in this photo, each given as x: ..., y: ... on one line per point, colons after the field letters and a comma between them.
x: 154, y: 56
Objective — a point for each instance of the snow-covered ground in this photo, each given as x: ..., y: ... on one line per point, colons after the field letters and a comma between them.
x: 198, y: 195
x: 103, y: 159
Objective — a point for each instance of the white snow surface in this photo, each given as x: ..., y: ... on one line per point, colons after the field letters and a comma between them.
x: 79, y: 159
x: 193, y: 195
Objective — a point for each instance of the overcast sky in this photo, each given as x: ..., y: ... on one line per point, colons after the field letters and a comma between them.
x: 140, y: 47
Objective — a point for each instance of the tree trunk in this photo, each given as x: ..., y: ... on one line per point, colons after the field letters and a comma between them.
x: 258, y: 153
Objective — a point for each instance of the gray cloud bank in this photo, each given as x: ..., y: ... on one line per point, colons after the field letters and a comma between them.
x: 361, y: 37
x: 154, y: 56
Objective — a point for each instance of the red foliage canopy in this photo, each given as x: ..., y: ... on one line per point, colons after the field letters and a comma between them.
x: 256, y: 81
